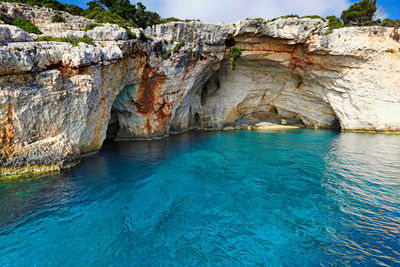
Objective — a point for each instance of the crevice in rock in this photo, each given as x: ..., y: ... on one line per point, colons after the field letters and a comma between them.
x: 113, y: 126
x: 209, y: 88
x: 197, y: 121
x: 204, y: 95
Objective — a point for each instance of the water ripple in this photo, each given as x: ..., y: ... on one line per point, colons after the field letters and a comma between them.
x: 296, y: 198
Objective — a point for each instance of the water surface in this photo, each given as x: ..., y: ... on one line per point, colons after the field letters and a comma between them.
x: 295, y: 198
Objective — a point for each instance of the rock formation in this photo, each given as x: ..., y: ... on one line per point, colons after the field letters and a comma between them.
x: 59, y: 102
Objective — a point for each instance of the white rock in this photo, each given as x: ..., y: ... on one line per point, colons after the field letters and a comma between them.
x: 9, y: 33
x: 56, y: 100
x: 108, y: 32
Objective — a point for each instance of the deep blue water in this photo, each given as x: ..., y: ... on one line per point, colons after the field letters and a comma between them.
x: 295, y: 198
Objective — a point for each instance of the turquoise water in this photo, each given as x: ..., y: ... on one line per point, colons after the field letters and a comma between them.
x: 295, y: 198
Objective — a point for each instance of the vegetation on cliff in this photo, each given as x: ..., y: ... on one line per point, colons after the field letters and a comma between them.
x: 396, y: 37
x: 54, y: 4
x: 172, y: 19
x: 178, y: 45
x: 91, y: 26
x: 121, y: 12
x: 235, y: 54
x: 143, y: 37
x: 334, y: 23
x: 298, y: 17
x: 57, y: 18
x: 360, y: 13
x: 391, y: 23
x: 167, y: 54
x: 26, y: 25
x: 74, y: 42
x: 128, y: 16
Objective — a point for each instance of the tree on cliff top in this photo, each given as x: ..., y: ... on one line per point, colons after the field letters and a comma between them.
x: 360, y: 13
x: 136, y: 14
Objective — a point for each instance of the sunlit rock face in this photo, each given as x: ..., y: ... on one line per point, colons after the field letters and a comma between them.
x: 59, y: 102
x: 350, y: 77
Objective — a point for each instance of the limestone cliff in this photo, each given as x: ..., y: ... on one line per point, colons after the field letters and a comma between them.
x: 59, y: 102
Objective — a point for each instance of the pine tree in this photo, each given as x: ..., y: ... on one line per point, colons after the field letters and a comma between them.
x: 360, y: 13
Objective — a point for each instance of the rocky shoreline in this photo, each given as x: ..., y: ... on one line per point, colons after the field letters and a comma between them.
x: 59, y: 101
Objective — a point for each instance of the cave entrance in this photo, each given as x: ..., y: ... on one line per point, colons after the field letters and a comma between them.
x: 113, y: 126
x: 197, y: 121
x: 336, y: 125
x: 230, y: 42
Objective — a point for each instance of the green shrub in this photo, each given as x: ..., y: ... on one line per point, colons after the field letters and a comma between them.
x: 91, y: 26
x: 298, y: 17
x: 167, y: 54
x: 235, y: 54
x: 57, y: 18
x: 52, y: 4
x: 396, y: 37
x: 190, y: 20
x: 74, y: 42
x: 313, y: 17
x: 258, y: 19
x: 45, y: 38
x: 73, y: 9
x: 391, y: 23
x: 100, y: 15
x: 285, y: 17
x: 360, y: 13
x: 334, y: 23
x: 111, y: 11
x: 178, y: 46
x: 374, y: 22
x: 26, y: 25
x: 171, y: 19
x: 289, y: 16
x: 130, y: 34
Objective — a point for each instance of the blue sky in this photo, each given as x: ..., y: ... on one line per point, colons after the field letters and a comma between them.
x: 235, y: 10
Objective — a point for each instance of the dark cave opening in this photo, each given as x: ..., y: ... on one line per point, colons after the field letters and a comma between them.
x: 113, y: 126
x: 230, y: 42
x: 336, y: 125
x: 197, y: 121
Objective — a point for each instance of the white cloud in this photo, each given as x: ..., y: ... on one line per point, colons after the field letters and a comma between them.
x: 235, y: 10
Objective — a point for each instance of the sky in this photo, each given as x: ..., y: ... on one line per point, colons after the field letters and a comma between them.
x: 235, y: 10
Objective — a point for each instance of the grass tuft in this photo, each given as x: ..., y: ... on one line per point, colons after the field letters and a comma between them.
x: 74, y: 42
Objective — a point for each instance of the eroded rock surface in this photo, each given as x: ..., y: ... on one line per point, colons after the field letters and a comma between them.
x: 59, y: 102
x: 41, y: 17
x: 9, y: 33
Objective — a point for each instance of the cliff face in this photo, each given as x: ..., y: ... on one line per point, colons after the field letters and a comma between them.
x: 59, y: 102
